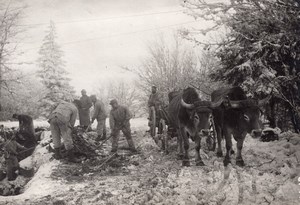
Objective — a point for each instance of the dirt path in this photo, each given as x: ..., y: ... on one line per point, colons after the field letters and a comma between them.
x: 152, y: 177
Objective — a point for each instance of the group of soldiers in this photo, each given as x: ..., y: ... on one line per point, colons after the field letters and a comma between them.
x: 63, y: 117
x: 62, y: 121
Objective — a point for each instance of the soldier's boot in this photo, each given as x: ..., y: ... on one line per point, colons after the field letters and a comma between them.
x: 57, y: 154
x: 104, y: 133
x: 101, y: 137
x: 114, y: 144
x: 114, y: 149
x: 71, y: 156
x: 131, y: 146
x: 98, y: 138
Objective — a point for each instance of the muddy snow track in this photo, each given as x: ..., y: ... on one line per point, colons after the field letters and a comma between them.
x: 151, y: 177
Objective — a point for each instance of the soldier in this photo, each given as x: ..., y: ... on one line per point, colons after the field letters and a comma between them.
x: 84, y: 110
x: 26, y: 134
x: 154, y: 98
x: 119, y: 120
x: 100, y: 115
x: 11, y: 153
x: 62, y: 121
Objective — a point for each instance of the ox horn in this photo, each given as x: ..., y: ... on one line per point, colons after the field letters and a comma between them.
x: 186, y: 105
x: 215, y: 104
x: 264, y: 101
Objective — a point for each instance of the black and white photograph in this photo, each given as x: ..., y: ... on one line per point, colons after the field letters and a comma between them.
x: 150, y: 102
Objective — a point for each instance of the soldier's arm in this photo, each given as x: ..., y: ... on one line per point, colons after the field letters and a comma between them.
x: 73, y: 116
x: 10, y: 149
x: 150, y: 103
x: 103, y: 110
x: 21, y: 122
x: 96, y: 111
x: 89, y: 103
x: 128, y: 115
x: 20, y: 146
x: 111, y: 121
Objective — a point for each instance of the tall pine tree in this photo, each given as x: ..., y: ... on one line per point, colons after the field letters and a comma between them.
x: 52, y: 73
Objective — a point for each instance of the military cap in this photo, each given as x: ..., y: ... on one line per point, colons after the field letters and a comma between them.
x: 113, y: 101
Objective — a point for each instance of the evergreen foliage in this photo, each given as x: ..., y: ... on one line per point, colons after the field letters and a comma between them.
x: 261, y: 51
x: 52, y: 73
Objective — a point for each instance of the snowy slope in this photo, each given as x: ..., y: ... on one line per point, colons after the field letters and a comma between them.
x: 151, y: 177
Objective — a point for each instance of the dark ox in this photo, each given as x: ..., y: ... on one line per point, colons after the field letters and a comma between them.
x: 235, y: 115
x: 190, y: 116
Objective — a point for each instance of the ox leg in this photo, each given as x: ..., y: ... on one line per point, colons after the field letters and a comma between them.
x: 228, y: 147
x: 199, y: 161
x: 185, y: 160
x: 180, y: 145
x: 239, y: 146
x: 219, y: 138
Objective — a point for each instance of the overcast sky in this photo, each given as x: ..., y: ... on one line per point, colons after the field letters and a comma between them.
x: 98, y: 36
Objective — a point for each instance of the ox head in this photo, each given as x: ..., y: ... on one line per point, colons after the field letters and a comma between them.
x: 249, y: 111
x: 199, y: 112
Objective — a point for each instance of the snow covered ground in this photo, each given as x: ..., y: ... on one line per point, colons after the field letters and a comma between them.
x: 136, y: 123
x: 151, y: 177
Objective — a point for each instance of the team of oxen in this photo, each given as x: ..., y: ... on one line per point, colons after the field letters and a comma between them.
x: 233, y: 115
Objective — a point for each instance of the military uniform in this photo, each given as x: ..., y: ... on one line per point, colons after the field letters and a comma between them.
x: 100, y: 115
x: 12, y: 163
x: 61, y: 120
x: 26, y: 134
x: 154, y: 100
x: 119, y: 120
x: 26, y: 128
x: 84, y: 111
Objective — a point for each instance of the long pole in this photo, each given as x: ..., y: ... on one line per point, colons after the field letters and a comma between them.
x: 0, y: 83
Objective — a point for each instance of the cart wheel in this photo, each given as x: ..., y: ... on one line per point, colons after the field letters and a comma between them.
x: 163, y: 135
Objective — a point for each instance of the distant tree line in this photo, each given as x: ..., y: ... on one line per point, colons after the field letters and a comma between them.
x: 32, y: 93
x: 172, y: 64
x: 124, y: 92
x: 19, y: 92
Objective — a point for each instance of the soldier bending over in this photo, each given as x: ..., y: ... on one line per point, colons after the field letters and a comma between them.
x: 119, y: 120
x: 62, y: 121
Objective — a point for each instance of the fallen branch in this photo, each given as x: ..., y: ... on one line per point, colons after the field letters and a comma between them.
x: 267, y: 162
x: 107, y: 159
x: 105, y: 140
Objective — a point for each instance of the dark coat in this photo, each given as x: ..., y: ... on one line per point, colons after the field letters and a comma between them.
x: 155, y: 99
x: 119, y: 117
x: 84, y: 111
x: 26, y: 129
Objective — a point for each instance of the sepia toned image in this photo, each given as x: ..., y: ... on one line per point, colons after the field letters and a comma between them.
x: 188, y: 102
